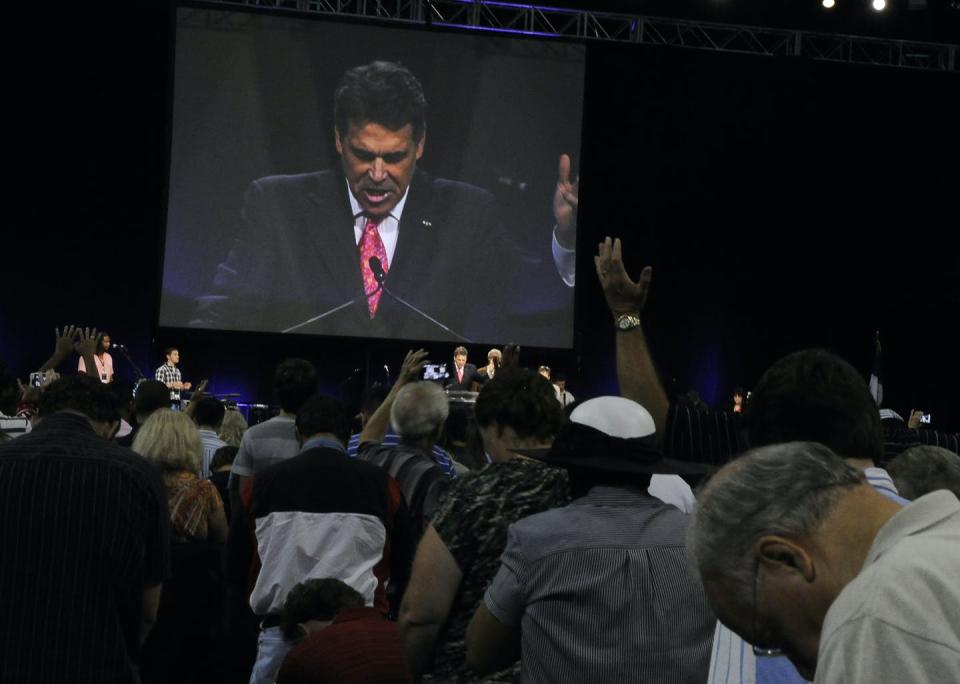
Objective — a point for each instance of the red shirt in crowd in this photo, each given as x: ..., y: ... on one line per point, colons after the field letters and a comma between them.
x: 361, y: 646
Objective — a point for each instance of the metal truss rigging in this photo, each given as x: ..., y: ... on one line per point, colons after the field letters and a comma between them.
x: 504, y: 17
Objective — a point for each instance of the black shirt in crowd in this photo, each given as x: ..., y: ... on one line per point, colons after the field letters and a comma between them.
x: 84, y: 529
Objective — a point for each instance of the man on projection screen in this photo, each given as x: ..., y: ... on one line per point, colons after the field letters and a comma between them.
x: 434, y: 243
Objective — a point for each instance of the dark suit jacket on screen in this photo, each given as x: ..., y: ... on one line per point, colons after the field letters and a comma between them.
x: 298, y: 258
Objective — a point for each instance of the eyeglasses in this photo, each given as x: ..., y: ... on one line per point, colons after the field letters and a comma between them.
x: 760, y: 650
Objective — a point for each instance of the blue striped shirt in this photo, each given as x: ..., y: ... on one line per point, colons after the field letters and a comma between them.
x: 393, y: 439
x: 210, y: 443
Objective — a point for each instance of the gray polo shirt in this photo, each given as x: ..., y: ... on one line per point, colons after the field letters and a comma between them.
x: 263, y: 445
x: 604, y: 592
x: 899, y: 619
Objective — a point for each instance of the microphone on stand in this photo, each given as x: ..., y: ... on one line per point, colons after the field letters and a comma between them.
x: 378, y: 272
x: 377, y: 268
x: 317, y: 318
x: 126, y: 355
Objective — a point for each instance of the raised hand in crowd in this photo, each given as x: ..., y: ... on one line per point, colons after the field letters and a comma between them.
x: 412, y: 366
x: 915, y: 421
x: 63, y: 346
x: 623, y: 295
x: 30, y: 394
x: 626, y: 299
x: 565, y: 201
x: 376, y: 427
x: 197, y: 395
x: 86, y: 347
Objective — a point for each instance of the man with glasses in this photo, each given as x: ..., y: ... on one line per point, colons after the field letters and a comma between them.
x: 799, y: 554
x: 808, y: 395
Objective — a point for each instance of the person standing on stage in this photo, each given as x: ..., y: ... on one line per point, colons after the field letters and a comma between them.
x: 560, y: 387
x: 464, y: 374
x: 169, y: 374
x: 101, y: 358
x: 494, y: 359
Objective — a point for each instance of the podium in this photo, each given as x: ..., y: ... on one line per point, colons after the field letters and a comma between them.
x: 462, y: 397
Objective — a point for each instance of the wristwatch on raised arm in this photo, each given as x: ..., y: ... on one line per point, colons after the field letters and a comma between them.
x: 626, y: 322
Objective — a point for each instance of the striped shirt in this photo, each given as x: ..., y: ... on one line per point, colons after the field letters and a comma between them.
x: 422, y: 482
x: 604, y: 592
x: 897, y: 438
x: 210, y: 442
x: 947, y: 440
x: 269, y: 442
x: 392, y: 439
x: 14, y: 426
x: 714, y: 437
x: 83, y: 529
x: 733, y: 660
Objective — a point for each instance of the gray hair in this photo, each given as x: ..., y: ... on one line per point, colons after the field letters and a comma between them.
x: 170, y: 440
x: 923, y: 469
x: 783, y: 489
x: 419, y: 410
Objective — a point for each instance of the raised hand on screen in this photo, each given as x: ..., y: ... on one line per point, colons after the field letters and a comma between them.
x: 565, y: 201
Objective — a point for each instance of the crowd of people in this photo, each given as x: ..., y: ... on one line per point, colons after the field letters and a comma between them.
x: 799, y: 537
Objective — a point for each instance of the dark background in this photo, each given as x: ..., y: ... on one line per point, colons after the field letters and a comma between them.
x: 782, y: 202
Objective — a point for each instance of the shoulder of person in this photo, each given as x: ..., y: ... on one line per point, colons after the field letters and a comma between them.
x: 307, y: 182
x: 140, y: 468
x: 447, y: 189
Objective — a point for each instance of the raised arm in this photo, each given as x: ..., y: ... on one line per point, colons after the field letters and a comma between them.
x: 86, y: 346
x: 198, y: 394
x: 626, y: 299
x: 433, y: 586
x: 566, y: 199
x: 565, y: 203
x: 491, y: 645
x: 63, y: 347
x: 376, y: 427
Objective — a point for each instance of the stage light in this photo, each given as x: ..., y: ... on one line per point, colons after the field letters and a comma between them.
x: 879, y: 5
x: 829, y: 3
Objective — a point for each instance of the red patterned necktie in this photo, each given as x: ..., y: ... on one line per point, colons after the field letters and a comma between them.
x: 372, y: 246
x: 460, y: 375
